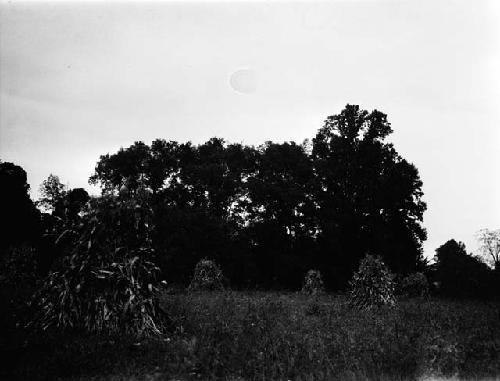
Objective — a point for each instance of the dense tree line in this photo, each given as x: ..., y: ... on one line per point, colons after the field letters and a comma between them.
x: 266, y: 214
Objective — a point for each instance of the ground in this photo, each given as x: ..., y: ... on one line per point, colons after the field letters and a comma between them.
x: 278, y: 336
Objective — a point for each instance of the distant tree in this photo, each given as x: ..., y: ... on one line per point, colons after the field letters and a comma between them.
x: 460, y: 274
x: 20, y: 218
x: 369, y: 198
x: 62, y: 203
x: 490, y: 246
x: 128, y: 166
x: 52, y: 193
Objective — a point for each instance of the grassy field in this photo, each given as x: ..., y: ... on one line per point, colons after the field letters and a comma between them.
x: 272, y: 336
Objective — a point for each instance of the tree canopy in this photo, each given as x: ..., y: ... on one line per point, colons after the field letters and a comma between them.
x: 369, y: 198
x: 271, y: 212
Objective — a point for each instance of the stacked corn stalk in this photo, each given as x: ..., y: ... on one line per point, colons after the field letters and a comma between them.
x: 207, y: 277
x: 108, y: 281
x: 372, y: 285
x: 313, y: 283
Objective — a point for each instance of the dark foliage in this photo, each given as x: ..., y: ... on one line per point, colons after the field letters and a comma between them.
x: 20, y: 264
x: 20, y: 218
x: 268, y: 214
x: 19, y: 279
x: 369, y: 197
x: 460, y: 274
x: 414, y: 285
x: 269, y: 336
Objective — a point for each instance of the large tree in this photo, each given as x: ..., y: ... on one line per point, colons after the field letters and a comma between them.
x: 369, y: 197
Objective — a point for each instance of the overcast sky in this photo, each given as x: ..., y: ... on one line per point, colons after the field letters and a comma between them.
x: 78, y: 80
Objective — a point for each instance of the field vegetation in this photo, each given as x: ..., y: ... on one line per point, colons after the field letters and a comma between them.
x: 278, y: 336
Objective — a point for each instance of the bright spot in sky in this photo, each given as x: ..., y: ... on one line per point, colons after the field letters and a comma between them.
x: 244, y: 81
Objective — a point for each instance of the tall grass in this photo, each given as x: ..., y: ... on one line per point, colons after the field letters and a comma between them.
x: 271, y: 336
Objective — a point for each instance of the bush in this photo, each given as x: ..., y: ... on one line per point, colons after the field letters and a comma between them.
x: 415, y: 285
x: 313, y: 283
x: 107, y: 282
x: 372, y: 285
x: 461, y: 275
x: 207, y: 276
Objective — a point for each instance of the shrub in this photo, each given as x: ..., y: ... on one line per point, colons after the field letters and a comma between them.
x: 461, y: 275
x: 207, y: 276
x: 415, y: 285
x: 107, y: 282
x: 313, y: 283
x: 372, y: 285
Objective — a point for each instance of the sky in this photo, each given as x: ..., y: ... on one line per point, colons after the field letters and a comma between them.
x: 81, y: 79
